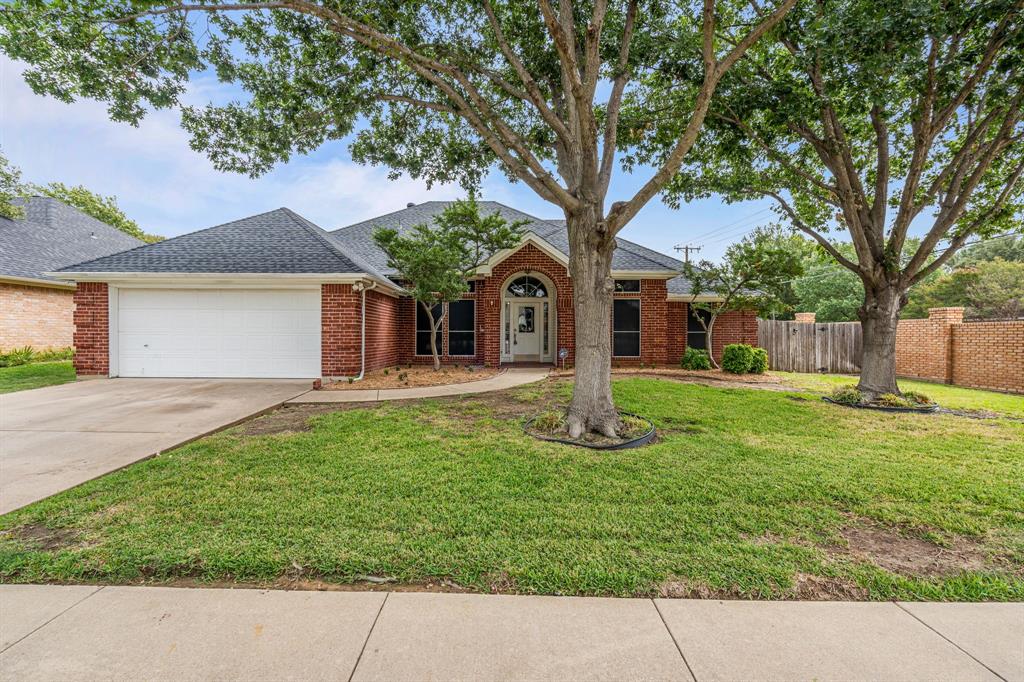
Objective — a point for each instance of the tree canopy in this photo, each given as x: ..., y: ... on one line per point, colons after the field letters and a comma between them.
x: 866, y: 117
x: 10, y: 189
x: 753, y: 274
x: 104, y: 209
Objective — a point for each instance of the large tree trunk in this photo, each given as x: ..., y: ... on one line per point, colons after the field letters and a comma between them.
x: 878, y: 317
x: 590, y: 264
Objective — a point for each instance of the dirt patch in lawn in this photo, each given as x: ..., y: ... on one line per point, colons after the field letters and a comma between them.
x: 903, y: 554
x: 405, y: 376
x: 294, y: 418
x: 805, y: 587
x: 47, y: 539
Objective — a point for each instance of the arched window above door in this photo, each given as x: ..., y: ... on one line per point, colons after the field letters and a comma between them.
x: 527, y: 287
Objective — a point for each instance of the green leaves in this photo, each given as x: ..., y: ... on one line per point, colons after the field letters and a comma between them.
x: 436, y: 261
x: 10, y: 189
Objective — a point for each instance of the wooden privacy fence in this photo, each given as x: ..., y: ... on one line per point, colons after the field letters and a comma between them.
x: 811, y: 346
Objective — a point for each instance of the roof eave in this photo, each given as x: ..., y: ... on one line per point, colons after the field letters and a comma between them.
x: 37, y: 282
x: 690, y: 298
x: 232, y: 278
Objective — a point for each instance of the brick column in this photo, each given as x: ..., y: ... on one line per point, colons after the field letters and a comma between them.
x: 653, y: 321
x: 339, y: 330
x: 92, y: 329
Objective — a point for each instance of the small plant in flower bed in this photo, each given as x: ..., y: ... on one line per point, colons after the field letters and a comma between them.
x: 695, y: 359
x: 849, y: 395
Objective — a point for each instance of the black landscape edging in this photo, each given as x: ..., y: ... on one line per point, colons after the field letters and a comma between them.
x: 927, y: 409
x: 635, y: 443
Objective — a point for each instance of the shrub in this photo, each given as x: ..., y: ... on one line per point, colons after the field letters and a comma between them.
x: 759, y: 363
x: 551, y: 421
x: 847, y: 395
x: 737, y: 358
x: 696, y: 358
x: 17, y: 356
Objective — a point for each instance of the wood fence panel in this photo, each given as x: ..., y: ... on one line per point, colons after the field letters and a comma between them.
x: 811, y: 347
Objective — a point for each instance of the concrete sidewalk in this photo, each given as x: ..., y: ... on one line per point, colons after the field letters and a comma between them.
x: 510, y: 378
x: 84, y: 633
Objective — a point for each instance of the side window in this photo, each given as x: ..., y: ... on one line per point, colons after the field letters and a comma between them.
x: 627, y: 286
x: 695, y: 336
x: 462, y: 327
x: 626, y: 328
x: 423, y: 329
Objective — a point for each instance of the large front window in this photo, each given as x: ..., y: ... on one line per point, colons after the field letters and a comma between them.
x: 423, y: 329
x: 626, y: 328
x: 461, y: 327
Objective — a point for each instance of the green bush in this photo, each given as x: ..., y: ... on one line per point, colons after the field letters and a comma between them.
x: 847, y: 395
x: 17, y: 356
x: 27, y: 355
x: 737, y: 358
x: 759, y: 363
x: 695, y: 358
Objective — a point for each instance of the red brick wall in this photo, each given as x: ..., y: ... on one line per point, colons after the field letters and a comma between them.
x: 734, y: 327
x: 923, y: 347
x: 383, y: 331
x: 339, y: 330
x: 40, y: 317
x: 488, y: 314
x: 676, y: 332
x: 92, y: 329
x: 989, y: 355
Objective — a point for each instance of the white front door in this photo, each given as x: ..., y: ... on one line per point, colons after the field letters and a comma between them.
x: 257, y: 333
x: 526, y: 332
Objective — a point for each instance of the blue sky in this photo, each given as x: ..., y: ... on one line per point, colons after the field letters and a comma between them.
x: 170, y: 189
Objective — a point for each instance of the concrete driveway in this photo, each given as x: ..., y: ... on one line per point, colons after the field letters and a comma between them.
x: 54, y: 438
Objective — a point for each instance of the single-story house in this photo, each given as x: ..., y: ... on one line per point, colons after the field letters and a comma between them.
x: 36, y: 307
x: 273, y: 295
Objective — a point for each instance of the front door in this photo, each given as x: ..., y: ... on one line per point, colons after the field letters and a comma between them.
x: 525, y: 335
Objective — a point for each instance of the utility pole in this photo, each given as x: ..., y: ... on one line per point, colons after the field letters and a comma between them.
x: 686, y: 249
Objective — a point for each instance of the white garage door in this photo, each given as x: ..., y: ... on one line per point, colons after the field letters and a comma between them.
x: 258, y: 333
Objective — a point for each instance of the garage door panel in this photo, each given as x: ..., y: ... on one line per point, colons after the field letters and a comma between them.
x: 219, y: 333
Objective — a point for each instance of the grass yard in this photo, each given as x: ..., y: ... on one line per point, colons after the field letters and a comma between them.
x: 749, y: 493
x: 953, y: 397
x: 35, y: 375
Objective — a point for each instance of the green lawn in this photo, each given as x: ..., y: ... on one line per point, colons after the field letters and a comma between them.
x: 953, y: 397
x: 748, y: 493
x: 35, y: 375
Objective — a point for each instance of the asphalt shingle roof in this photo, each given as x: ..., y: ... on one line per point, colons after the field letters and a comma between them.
x: 279, y: 241
x: 358, y: 238
x: 53, y: 235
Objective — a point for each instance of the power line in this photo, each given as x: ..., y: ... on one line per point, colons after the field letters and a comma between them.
x: 731, y: 224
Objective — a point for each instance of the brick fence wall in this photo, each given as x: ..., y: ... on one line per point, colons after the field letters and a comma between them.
x: 40, y: 317
x: 974, y: 354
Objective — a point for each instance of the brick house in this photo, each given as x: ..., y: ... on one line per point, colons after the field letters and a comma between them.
x: 36, y: 308
x: 273, y: 295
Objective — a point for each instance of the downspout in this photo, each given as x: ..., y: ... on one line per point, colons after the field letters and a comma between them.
x: 362, y: 289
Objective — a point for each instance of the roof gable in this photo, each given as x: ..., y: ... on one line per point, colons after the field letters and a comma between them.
x: 628, y: 256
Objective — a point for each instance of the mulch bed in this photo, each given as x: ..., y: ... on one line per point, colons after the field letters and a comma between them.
x: 403, y: 376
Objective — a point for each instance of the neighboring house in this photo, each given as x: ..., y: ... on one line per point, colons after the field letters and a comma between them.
x: 35, y: 307
x: 274, y: 295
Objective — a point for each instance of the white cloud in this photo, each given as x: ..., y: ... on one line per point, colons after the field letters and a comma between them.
x: 170, y: 189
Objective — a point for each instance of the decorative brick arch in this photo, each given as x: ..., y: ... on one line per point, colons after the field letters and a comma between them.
x: 489, y: 297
